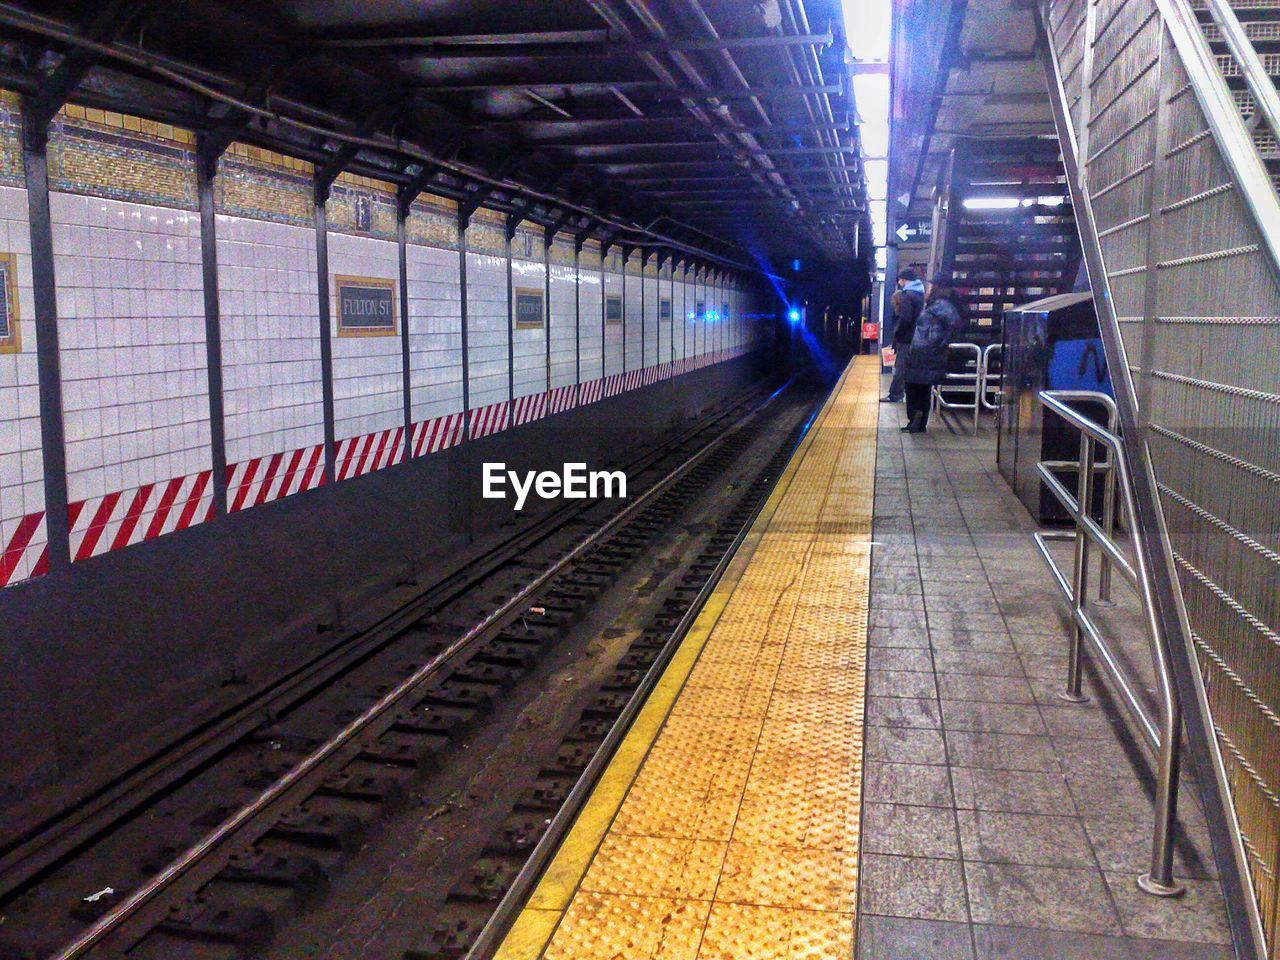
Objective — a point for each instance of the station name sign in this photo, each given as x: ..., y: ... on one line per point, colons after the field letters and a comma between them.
x: 366, y: 306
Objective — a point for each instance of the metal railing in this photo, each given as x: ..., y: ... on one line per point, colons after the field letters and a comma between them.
x: 1161, y: 732
x: 978, y: 380
x: 966, y: 381
x: 991, y: 400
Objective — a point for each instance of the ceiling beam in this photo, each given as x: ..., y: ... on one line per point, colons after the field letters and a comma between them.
x: 563, y: 44
x: 55, y: 89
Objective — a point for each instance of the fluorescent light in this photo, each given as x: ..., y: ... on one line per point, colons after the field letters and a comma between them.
x: 877, y: 172
x: 991, y: 203
x: 875, y: 138
x: 866, y: 26
x: 871, y: 94
x: 882, y: 258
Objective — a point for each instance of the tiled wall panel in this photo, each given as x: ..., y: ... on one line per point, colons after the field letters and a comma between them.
x: 435, y: 332
x: 651, y: 355
x: 635, y: 324
x: 529, y: 344
x: 612, y: 330
x: 368, y: 398
x: 272, y: 392
x: 487, y: 328
x: 590, y: 329
x: 134, y: 380
x: 22, y: 519
x: 564, y: 321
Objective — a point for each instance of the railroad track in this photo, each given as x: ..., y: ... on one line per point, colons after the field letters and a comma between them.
x: 298, y: 796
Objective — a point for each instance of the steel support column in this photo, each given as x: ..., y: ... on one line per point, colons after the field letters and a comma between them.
x: 45, y: 302
x: 206, y: 169
x: 463, y: 222
x: 402, y: 251
x: 326, y: 344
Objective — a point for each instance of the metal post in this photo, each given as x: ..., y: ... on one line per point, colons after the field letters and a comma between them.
x: 462, y: 315
x: 48, y: 359
x: 326, y: 346
x: 212, y: 333
x: 402, y: 239
x: 1080, y: 571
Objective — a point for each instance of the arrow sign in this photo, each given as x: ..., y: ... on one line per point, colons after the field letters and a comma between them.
x: 901, y: 233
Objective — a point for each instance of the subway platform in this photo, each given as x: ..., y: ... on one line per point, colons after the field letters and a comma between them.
x: 859, y: 749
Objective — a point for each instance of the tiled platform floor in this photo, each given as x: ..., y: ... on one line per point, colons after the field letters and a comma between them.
x: 727, y: 824
x: 996, y: 821
x: 999, y: 821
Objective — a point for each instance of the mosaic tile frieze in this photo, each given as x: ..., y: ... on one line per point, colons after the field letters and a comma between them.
x: 12, y: 168
x: 486, y: 236
x: 248, y: 186
x: 101, y: 154
x: 432, y: 224
x: 363, y: 207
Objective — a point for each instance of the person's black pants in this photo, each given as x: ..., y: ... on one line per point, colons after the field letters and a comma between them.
x: 899, y: 371
x: 918, y: 401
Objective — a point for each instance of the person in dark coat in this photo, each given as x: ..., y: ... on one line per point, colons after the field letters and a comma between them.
x: 908, y: 302
x: 940, y: 324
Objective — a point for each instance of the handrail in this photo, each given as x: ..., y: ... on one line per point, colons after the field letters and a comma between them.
x: 1235, y: 143
x: 1265, y: 97
x: 964, y: 378
x: 1162, y: 732
x: 986, y: 376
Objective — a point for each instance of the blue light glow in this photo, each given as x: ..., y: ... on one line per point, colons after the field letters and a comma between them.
x: 793, y: 316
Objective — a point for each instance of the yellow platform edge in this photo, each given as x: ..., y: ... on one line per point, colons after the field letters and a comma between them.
x: 538, y: 920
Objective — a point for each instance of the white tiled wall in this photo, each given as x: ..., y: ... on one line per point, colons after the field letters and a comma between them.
x: 269, y: 307
x: 589, y: 336
x: 651, y: 356
x: 487, y: 328
x: 635, y: 326
x: 680, y: 330
x: 688, y: 287
x: 529, y: 344
x: 367, y: 371
x: 131, y: 335
x: 21, y: 459
x: 563, y: 324
x: 612, y: 331
x: 435, y: 332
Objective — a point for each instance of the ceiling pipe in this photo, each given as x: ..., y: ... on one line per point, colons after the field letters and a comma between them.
x: 178, y: 74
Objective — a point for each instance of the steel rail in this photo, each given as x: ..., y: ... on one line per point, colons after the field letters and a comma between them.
x: 61, y: 831
x: 1164, y: 733
x: 499, y: 922
x: 1235, y: 143
x: 111, y: 921
x: 1243, y: 914
x: 1260, y: 84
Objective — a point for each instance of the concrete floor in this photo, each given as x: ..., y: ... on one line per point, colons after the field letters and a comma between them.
x: 1000, y: 821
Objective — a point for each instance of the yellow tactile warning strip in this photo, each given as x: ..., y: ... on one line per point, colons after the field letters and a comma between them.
x: 726, y: 825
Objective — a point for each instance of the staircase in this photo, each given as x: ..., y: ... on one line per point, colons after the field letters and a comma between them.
x: 1004, y: 228
x: 1167, y: 115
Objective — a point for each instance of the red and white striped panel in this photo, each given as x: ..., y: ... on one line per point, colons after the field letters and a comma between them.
x: 276, y: 475
x: 613, y: 385
x: 126, y: 517
x: 357, y: 456
x: 441, y: 433
x: 489, y: 420
x: 529, y: 408
x: 591, y: 391
x: 25, y: 553
x: 561, y: 399
x: 633, y: 379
